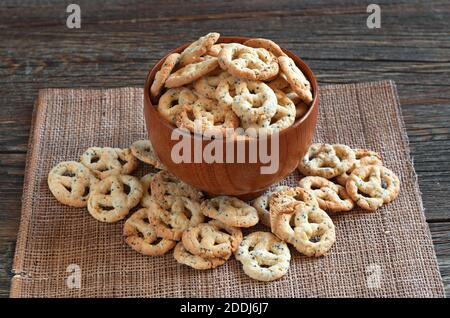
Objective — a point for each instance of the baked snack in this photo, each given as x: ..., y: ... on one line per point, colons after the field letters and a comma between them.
x: 106, y: 161
x: 162, y: 75
x: 263, y: 256
x: 261, y: 204
x: 112, y: 198
x: 70, y: 183
x: 183, y: 256
x: 231, y: 211
x: 363, y: 157
x: 143, y: 150
x: 140, y: 235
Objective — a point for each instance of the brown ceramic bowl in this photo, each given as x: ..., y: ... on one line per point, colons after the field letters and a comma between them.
x: 243, y: 180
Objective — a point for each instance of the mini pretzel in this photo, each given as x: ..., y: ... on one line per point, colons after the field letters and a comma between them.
x: 196, y: 49
x: 191, y: 72
x: 71, y: 183
x: 285, y: 112
x: 326, y: 160
x: 197, y: 262
x: 264, y: 257
x: 265, y: 44
x: 208, y: 115
x: 261, y: 204
x: 141, y: 236
x: 226, y: 90
x: 215, y: 49
x: 308, y: 228
x: 363, y: 157
x: 287, y: 200
x: 206, y: 86
x: 112, y: 198
x: 212, y: 239
x: 171, y: 223
x: 143, y: 150
x: 250, y: 63
x: 255, y: 104
x: 165, y: 185
x: 105, y: 162
x: 331, y: 197
x: 146, y: 189
x: 296, y: 79
x: 162, y: 75
x: 172, y: 102
x: 372, y: 186
x: 231, y: 211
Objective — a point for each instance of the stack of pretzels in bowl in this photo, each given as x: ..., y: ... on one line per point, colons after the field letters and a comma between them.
x: 231, y: 85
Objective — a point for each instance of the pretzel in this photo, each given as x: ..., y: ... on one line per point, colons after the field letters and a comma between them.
x: 308, y: 228
x: 105, y: 162
x: 285, y: 112
x: 162, y: 75
x: 263, y: 256
x: 146, y: 189
x: 331, y: 197
x: 255, y: 104
x: 141, y: 236
x: 173, y: 100
x: 226, y: 90
x: 191, y: 72
x: 212, y: 239
x: 165, y: 186
x: 363, y: 157
x: 197, y: 262
x: 208, y: 115
x: 215, y: 49
x: 280, y: 82
x: 261, y: 204
x: 265, y: 44
x: 246, y: 62
x: 372, y: 186
x: 206, y: 86
x: 170, y: 223
x: 143, y: 150
x: 231, y: 211
x: 196, y: 49
x: 296, y: 79
x: 71, y: 183
x: 327, y: 161
x: 112, y: 198
x: 287, y: 200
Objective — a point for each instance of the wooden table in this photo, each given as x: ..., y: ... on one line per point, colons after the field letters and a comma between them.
x: 119, y: 40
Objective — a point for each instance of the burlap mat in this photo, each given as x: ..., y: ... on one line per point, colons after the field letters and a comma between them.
x: 386, y: 253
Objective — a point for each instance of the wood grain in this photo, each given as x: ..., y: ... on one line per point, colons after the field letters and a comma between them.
x: 120, y: 40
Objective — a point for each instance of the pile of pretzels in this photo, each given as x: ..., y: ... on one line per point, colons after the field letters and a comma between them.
x: 230, y: 85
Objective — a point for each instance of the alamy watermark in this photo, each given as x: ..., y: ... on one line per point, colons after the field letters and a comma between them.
x: 374, y: 19
x: 374, y: 275
x: 73, y: 21
x: 74, y: 278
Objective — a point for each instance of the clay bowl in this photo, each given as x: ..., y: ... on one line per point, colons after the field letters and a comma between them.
x: 243, y: 180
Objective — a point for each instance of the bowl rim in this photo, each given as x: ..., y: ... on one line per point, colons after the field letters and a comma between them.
x: 306, y: 70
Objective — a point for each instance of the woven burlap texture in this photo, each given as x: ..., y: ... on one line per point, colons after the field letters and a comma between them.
x: 385, y: 253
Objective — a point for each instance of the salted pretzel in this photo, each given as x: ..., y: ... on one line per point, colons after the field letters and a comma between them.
x: 264, y: 257
x: 285, y: 112
x: 215, y: 49
x: 261, y: 204
x: 207, y: 115
x: 265, y: 44
x: 173, y: 100
x: 327, y: 161
x: 255, y: 104
x: 140, y: 235
x: 331, y: 197
x: 183, y: 256
x: 106, y: 161
x: 372, y: 186
x: 191, y: 72
x: 71, y: 183
x: 246, y: 62
x: 112, y: 198
x: 198, y: 48
x: 231, y: 211
x: 162, y: 75
x: 212, y: 239
x: 143, y: 150
x: 296, y: 78
x: 363, y: 157
x: 170, y: 223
